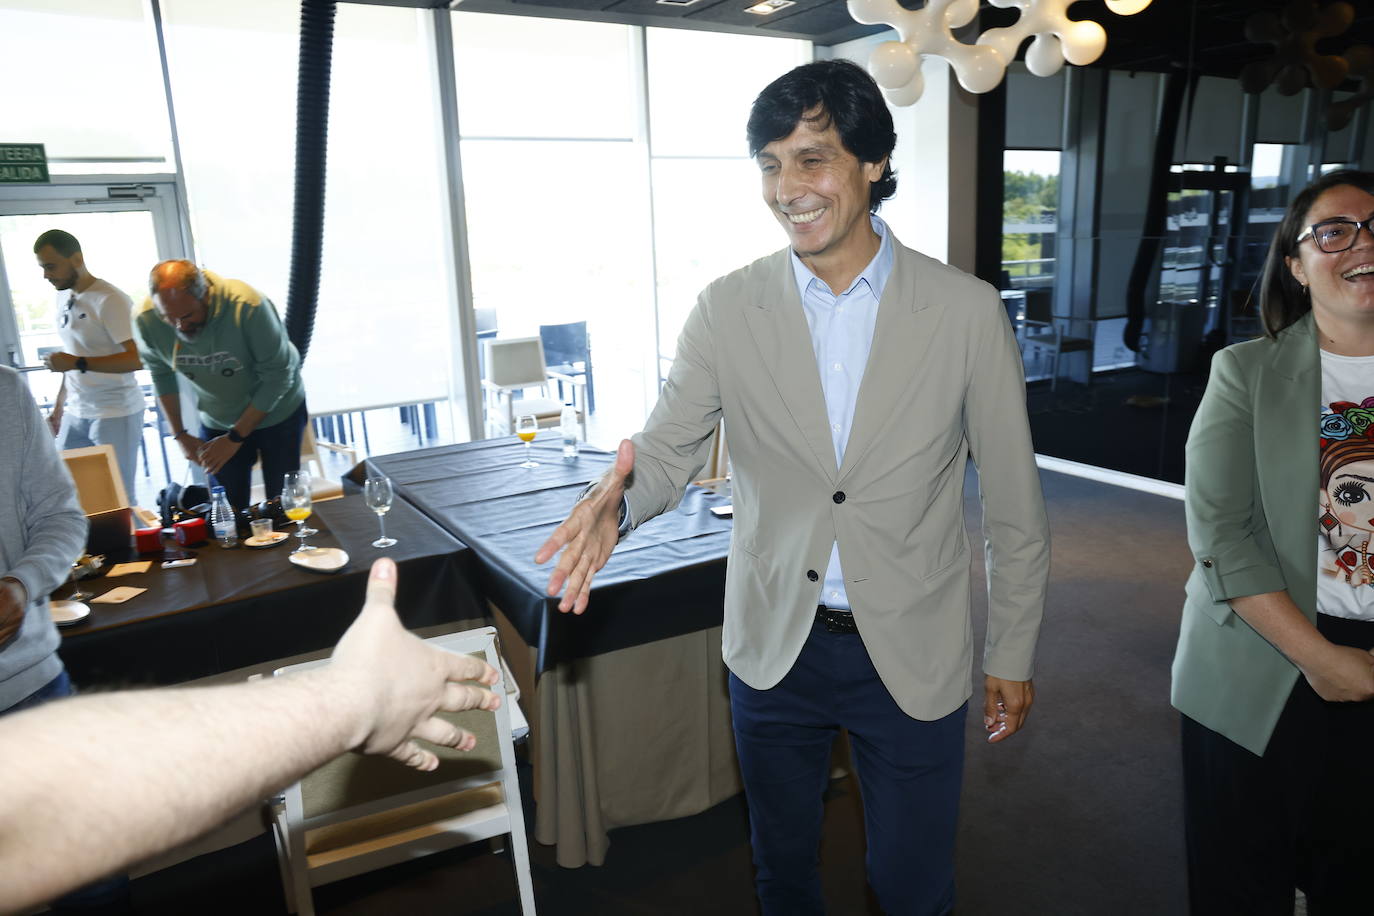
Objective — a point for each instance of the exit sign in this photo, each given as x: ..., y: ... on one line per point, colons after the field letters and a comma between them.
x: 23, y: 162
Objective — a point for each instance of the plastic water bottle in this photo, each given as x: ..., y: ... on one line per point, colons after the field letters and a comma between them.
x: 222, y: 518
x: 568, y: 421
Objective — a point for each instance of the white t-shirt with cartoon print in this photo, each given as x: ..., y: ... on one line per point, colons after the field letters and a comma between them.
x: 1345, y: 510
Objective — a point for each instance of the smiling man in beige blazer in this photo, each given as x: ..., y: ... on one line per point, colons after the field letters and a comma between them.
x: 856, y: 377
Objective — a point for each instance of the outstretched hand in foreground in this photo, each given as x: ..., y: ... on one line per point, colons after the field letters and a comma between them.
x: 96, y: 782
x: 401, y: 682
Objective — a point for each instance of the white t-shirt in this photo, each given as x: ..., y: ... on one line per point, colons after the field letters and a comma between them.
x: 1345, y: 510
x: 96, y: 323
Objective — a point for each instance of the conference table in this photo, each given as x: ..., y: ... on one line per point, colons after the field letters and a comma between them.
x: 628, y: 703
x: 242, y: 607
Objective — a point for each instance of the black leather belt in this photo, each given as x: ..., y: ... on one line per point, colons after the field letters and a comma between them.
x: 835, y: 620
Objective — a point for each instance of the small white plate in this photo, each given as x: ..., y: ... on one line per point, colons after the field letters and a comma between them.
x: 271, y: 539
x: 321, y: 559
x: 66, y: 613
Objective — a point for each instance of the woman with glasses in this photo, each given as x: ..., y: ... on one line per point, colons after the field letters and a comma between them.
x: 1273, y: 672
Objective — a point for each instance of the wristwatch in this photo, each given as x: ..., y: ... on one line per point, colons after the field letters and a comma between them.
x: 81, y: 363
x: 234, y: 436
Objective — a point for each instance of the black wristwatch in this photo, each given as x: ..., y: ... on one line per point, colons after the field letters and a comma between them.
x: 234, y: 436
x: 81, y: 363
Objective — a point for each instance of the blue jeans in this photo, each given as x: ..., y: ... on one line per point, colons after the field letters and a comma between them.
x: 55, y: 689
x: 909, y: 771
x: 112, y: 894
x: 280, y: 448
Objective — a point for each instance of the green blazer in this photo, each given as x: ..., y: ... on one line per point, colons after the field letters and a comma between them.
x: 943, y: 382
x: 1251, y: 502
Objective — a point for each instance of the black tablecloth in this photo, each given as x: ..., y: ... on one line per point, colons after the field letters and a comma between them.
x: 665, y: 579
x: 241, y: 607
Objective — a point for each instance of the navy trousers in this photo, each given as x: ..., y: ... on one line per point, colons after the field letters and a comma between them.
x: 279, y: 445
x: 909, y: 773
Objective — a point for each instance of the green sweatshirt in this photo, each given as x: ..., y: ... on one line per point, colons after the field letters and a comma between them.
x: 242, y: 356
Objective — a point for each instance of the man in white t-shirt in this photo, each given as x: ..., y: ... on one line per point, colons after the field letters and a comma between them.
x: 100, y: 403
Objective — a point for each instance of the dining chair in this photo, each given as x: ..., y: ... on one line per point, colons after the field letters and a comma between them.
x: 358, y: 813
x: 1043, y: 331
x: 568, y: 349
x: 513, y: 366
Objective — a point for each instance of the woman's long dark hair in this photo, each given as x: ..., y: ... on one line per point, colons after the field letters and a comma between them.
x: 1283, y: 300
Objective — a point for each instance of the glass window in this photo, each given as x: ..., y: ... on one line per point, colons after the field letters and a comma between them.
x: 556, y: 195
x: 519, y: 76
x: 693, y: 243
x: 381, y: 329
x: 1030, y: 206
x: 709, y: 217
x: 701, y: 110
x: 82, y: 78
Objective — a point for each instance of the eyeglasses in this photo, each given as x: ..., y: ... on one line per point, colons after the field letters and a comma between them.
x: 1335, y: 235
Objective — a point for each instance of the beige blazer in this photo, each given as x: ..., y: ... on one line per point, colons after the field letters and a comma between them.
x: 943, y: 380
x: 1252, y: 481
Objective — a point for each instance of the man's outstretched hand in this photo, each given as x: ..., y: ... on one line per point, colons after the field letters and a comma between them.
x: 403, y: 682
x: 588, y: 535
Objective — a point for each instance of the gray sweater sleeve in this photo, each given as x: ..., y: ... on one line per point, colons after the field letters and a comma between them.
x: 47, y: 529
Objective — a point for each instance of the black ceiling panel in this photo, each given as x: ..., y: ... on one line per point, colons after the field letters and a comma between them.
x: 669, y: 10
x: 1206, y: 36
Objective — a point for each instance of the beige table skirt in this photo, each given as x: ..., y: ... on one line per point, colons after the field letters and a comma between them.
x: 633, y: 736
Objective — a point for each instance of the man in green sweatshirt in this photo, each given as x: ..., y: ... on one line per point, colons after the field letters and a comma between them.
x: 225, y: 340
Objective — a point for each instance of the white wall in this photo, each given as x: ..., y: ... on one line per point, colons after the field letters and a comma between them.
x: 935, y: 161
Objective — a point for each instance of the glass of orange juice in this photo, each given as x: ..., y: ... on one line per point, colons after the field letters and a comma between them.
x: 295, y: 499
x: 526, y: 426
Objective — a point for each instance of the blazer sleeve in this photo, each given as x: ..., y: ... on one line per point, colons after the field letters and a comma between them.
x: 1015, y: 528
x: 1227, y: 531
x: 675, y: 442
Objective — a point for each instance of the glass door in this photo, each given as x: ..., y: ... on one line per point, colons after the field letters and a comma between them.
x: 123, y: 229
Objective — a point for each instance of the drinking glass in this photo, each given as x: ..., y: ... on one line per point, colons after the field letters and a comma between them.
x: 526, y: 426
x: 295, y: 499
x: 310, y: 530
x: 377, y: 494
x: 77, y: 594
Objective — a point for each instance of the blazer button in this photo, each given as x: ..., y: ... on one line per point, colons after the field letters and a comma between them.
x: 812, y: 575
x: 838, y: 497
x: 1206, y: 564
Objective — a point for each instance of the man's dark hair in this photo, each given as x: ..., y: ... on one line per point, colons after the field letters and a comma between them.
x: 64, y: 243
x: 1282, y: 299
x: 835, y: 92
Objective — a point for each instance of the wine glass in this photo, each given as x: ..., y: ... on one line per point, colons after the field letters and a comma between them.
x: 309, y: 530
x: 77, y: 594
x: 295, y: 499
x: 526, y: 426
x: 377, y: 493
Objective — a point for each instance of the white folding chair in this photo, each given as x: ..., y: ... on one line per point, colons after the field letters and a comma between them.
x: 358, y: 813
x: 514, y: 365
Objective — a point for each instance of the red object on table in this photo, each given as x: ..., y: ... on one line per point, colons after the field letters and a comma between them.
x: 148, y: 540
x: 191, y: 532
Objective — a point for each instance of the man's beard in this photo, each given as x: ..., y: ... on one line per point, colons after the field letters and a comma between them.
x: 188, y: 336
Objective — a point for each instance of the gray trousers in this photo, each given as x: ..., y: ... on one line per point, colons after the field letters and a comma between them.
x: 123, y: 433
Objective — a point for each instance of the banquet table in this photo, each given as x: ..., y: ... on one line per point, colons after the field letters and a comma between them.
x: 242, y: 607
x: 628, y: 703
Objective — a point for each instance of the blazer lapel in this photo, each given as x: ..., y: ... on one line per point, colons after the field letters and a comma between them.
x: 1287, y: 463
x: 901, y: 341
x: 783, y: 339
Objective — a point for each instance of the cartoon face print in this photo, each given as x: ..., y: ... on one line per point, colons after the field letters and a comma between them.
x: 1349, y: 495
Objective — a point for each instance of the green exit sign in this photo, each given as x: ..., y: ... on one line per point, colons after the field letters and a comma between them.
x: 23, y: 162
